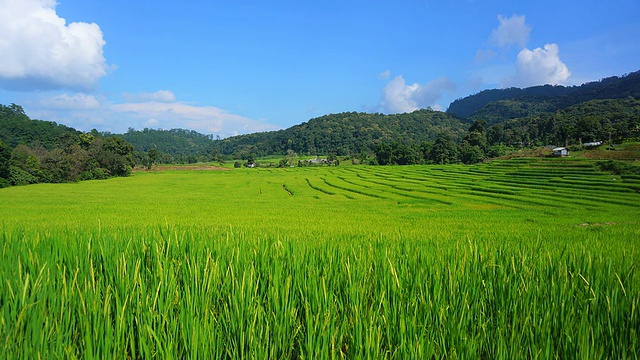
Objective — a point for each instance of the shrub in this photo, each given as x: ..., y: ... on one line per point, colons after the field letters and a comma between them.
x: 618, y: 167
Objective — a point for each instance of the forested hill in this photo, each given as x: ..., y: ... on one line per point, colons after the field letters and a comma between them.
x: 346, y: 133
x: 184, y: 146
x: 17, y: 128
x: 338, y: 134
x: 502, y: 104
x: 35, y: 151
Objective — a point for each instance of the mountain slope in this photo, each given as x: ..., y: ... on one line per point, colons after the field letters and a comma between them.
x: 501, y: 104
x: 17, y: 128
x: 346, y: 133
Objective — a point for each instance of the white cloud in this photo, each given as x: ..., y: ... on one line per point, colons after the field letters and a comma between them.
x: 539, y: 66
x: 71, y: 102
x: 160, y: 95
x: 204, y: 119
x: 84, y: 112
x: 385, y: 74
x: 511, y: 31
x: 40, y: 51
x: 398, y: 97
x: 485, y: 55
x: 151, y: 123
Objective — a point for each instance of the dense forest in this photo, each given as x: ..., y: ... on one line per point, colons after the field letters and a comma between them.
x: 486, y: 125
x: 34, y: 151
x: 497, y: 105
x: 172, y: 146
x: 593, y: 121
x: 346, y: 134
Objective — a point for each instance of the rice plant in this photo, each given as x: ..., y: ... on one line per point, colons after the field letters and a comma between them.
x: 278, y: 264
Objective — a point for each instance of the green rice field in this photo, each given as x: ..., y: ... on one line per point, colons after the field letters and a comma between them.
x: 525, y: 258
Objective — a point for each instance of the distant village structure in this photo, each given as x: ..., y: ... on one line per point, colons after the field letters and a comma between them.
x: 560, y: 151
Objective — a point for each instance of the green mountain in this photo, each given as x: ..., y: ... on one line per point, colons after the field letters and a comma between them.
x: 35, y: 151
x: 181, y: 146
x: 540, y: 115
x: 498, y: 105
x: 594, y: 120
x: 17, y: 128
x: 346, y: 133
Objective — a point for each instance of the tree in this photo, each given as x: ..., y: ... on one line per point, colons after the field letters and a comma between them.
x: 471, y: 154
x: 5, y: 160
x: 291, y: 157
x: 479, y: 126
x: 383, y: 154
x: 444, y: 150
x: 153, y: 156
x: 115, y: 155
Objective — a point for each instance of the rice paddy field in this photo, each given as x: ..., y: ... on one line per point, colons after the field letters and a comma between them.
x: 526, y: 258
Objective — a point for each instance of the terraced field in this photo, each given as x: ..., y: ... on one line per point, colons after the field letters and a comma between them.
x: 514, y: 184
x: 528, y: 258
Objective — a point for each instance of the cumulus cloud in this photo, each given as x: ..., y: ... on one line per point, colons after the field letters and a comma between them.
x: 40, y: 51
x: 539, y: 66
x: 511, y: 31
x: 71, y: 102
x: 206, y: 119
x: 85, y: 112
x: 160, y: 95
x: 398, y: 97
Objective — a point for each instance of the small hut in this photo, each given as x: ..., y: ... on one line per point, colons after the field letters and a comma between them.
x: 560, y: 151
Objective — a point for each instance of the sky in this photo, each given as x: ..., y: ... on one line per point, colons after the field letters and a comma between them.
x: 235, y: 67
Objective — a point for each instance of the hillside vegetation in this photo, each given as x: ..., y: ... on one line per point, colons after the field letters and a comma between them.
x: 497, y: 105
x: 490, y: 124
x: 347, y: 133
x: 34, y: 151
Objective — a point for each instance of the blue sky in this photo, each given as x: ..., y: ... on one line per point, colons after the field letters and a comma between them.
x: 226, y: 68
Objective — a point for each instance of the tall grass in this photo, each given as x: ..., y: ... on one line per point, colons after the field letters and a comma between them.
x: 173, y: 292
x: 272, y: 264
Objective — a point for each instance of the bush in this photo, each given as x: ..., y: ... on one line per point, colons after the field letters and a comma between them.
x: 18, y: 176
x: 618, y: 167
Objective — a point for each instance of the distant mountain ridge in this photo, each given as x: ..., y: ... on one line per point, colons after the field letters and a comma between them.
x: 514, y: 117
x: 347, y: 133
x: 497, y: 105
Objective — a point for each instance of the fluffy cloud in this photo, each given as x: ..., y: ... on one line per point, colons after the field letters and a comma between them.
x: 511, y: 31
x: 539, y: 66
x: 85, y: 112
x: 205, y: 119
x: 71, y: 102
x: 160, y: 95
x: 398, y: 97
x: 40, y: 51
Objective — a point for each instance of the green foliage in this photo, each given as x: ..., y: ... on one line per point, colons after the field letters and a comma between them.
x: 46, y: 152
x: 501, y: 104
x: 18, y: 176
x: 345, y: 134
x: 443, y: 151
x: 172, y: 146
x: 618, y: 167
x: 471, y: 154
x: 16, y: 128
x: 596, y: 120
x: 5, y: 160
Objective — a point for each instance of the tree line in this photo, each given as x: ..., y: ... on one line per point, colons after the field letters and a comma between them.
x: 33, y: 151
x: 496, y: 105
x: 610, y: 120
